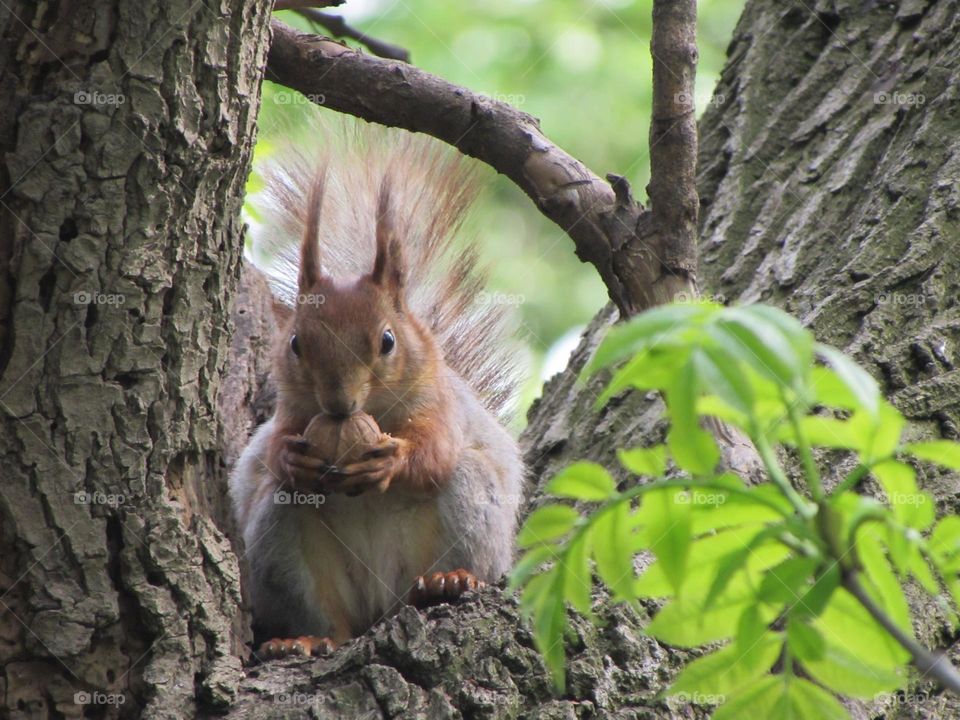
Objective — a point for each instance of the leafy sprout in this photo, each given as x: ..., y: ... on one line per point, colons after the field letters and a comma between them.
x: 801, y: 586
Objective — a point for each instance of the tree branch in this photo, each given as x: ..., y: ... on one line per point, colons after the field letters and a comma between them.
x: 336, y: 25
x: 673, y: 134
x: 934, y: 665
x: 301, y: 4
x: 609, y: 230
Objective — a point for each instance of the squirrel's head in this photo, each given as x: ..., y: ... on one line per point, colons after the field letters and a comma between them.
x: 353, y: 345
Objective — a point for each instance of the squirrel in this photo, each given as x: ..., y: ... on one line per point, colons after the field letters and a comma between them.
x: 378, y: 312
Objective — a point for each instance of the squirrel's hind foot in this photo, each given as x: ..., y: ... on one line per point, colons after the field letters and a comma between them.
x: 306, y: 645
x: 442, y: 587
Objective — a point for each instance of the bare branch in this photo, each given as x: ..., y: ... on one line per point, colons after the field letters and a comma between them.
x: 301, y: 4
x: 638, y: 264
x: 933, y: 664
x: 673, y: 134
x: 337, y: 26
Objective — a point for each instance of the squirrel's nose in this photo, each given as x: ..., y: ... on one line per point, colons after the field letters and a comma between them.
x: 341, y: 409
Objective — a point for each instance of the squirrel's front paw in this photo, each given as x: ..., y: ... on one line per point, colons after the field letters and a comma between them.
x: 306, y: 645
x: 377, y: 469
x: 301, y: 469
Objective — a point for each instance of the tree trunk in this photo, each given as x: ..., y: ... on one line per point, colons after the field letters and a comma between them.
x: 828, y: 179
x: 126, y: 134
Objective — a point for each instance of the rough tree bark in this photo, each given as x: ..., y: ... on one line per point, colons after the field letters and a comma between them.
x: 814, y: 196
x: 125, y: 135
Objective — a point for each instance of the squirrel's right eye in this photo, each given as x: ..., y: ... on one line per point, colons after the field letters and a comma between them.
x: 295, y: 346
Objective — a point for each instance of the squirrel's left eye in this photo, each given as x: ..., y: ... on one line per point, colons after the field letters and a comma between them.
x: 295, y: 346
x: 388, y: 342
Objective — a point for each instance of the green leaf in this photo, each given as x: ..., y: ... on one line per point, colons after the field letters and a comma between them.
x: 547, y: 524
x: 845, y: 672
x: 652, y: 327
x: 845, y: 618
x: 754, y: 700
x: 804, y: 641
x: 806, y: 701
x: 715, y: 510
x: 727, y: 670
x: 830, y: 391
x: 762, y: 345
x: 750, y: 629
x: 582, y: 481
x: 878, y: 578
x: 884, y: 435
x: 706, y: 554
x: 549, y: 623
x: 828, y: 432
x: 693, y: 449
x: 945, y: 538
x: 610, y: 538
x: 800, y: 339
x: 654, y: 369
x: 578, y: 579
x: 735, y: 560
x: 529, y: 563
x: 899, y: 482
x: 785, y: 582
x: 921, y: 571
x: 684, y: 623
x: 651, y: 461
x: 782, y: 697
x: 713, y: 406
x: 724, y: 376
x: 860, y: 383
x: 941, y: 452
x: 668, y: 533
x: 535, y: 592
x: 816, y: 597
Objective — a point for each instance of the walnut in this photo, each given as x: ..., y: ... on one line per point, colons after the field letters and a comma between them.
x: 342, y: 442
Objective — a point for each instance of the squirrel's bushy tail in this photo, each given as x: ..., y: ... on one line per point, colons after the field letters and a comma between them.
x: 431, y: 189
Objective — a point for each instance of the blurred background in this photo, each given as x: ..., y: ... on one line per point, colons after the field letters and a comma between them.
x: 582, y: 68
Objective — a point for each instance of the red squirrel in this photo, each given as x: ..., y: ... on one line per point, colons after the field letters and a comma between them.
x: 380, y: 311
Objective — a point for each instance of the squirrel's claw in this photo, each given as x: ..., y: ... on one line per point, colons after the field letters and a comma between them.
x: 302, y: 470
x: 441, y: 587
x: 306, y: 645
x: 377, y: 469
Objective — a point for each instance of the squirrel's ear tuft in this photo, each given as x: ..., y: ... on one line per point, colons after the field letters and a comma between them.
x: 310, y: 246
x: 388, y: 268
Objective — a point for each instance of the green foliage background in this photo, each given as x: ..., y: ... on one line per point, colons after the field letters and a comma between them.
x: 583, y: 69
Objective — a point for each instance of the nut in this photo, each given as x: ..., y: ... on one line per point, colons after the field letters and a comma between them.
x: 342, y: 442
